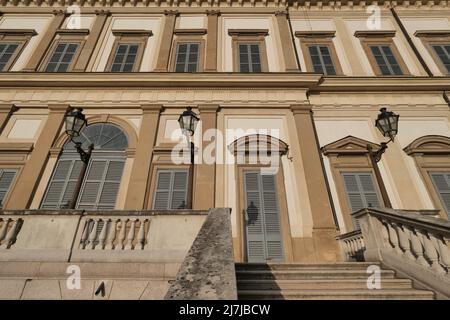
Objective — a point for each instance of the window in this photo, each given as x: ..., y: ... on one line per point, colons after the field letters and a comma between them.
x: 382, y: 53
x: 187, y: 57
x: 249, y: 50
x: 6, y: 179
x: 128, y: 50
x: 385, y: 59
x: 7, y: 51
x: 443, y: 52
x: 171, y: 189
x: 321, y: 59
x: 361, y: 192
x: 101, y: 183
x: 125, y: 58
x: 62, y: 57
x: 441, y: 181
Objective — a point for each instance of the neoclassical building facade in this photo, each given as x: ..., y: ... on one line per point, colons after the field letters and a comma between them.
x: 302, y: 81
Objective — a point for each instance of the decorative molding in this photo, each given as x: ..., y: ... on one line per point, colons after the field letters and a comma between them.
x: 16, y: 147
x: 315, y: 34
x: 132, y: 32
x: 73, y: 31
x: 375, y: 34
x: 248, y: 32
x: 256, y: 143
x: 349, y: 145
x: 432, y: 33
x: 18, y: 32
x: 180, y: 32
x: 429, y: 145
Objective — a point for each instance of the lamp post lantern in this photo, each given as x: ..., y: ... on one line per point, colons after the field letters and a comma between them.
x: 75, y: 121
x: 387, y: 123
x: 188, y: 121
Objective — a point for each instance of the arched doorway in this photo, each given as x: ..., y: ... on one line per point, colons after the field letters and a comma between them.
x: 102, y: 180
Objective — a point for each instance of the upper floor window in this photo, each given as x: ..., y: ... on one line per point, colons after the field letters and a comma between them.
x: 441, y: 181
x: 382, y: 52
x: 128, y: 50
x: 443, y: 52
x: 438, y: 44
x: 187, y: 57
x: 319, y: 52
x: 171, y: 189
x: 249, y: 50
x: 62, y: 57
x: 11, y: 44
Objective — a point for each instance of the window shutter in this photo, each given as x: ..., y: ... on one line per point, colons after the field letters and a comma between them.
x: 441, y: 182
x: 6, y: 179
x: 361, y: 192
x: 62, y: 184
x: 101, y: 185
x: 171, y: 189
x: 254, y: 220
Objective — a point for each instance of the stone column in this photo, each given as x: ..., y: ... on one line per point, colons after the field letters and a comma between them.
x: 44, y: 43
x: 91, y: 42
x: 140, y: 171
x: 24, y: 188
x: 211, y: 40
x: 6, y: 110
x: 287, y: 45
x: 162, y: 63
x: 324, y: 229
x: 205, y: 174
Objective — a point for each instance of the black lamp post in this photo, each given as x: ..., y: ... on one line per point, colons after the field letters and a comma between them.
x: 188, y: 122
x: 75, y: 121
x: 387, y: 123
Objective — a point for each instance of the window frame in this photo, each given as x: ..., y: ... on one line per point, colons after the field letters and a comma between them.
x: 20, y: 36
x: 436, y: 37
x: 308, y: 39
x: 382, y: 38
x: 249, y: 36
x: 182, y: 36
x: 139, y: 37
x: 77, y: 36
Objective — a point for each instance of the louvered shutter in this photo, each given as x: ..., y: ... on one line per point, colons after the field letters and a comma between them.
x: 6, y: 179
x: 263, y: 229
x: 441, y: 181
x: 62, y: 184
x: 171, y: 189
x: 361, y: 192
x: 101, y: 184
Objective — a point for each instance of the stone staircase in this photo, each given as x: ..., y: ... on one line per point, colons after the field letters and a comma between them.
x: 347, y: 280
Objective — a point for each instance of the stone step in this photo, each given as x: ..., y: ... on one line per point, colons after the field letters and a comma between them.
x: 308, y: 274
x: 404, y: 294
x: 308, y: 284
x: 287, y: 266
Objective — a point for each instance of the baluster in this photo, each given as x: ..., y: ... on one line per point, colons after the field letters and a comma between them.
x: 10, y: 235
x: 384, y: 233
x: 102, y: 235
x: 111, y: 234
x: 85, y: 235
x: 444, y: 252
x: 141, y: 234
x: 417, y: 248
x: 131, y: 234
x: 431, y: 253
x: 93, y: 235
x: 393, y: 237
x: 403, y: 236
x: 122, y: 234
x: 3, y: 232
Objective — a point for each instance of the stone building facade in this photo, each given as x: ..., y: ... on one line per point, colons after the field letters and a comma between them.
x: 306, y: 79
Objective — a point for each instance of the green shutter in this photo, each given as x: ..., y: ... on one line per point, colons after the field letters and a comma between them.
x: 6, y: 179
x: 62, y: 184
x: 441, y: 181
x: 263, y: 229
x: 361, y: 192
x: 171, y: 189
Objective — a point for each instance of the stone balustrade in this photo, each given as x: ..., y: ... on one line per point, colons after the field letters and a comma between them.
x: 410, y: 242
x: 9, y: 227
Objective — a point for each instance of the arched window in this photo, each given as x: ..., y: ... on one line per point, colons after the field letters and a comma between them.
x: 104, y: 172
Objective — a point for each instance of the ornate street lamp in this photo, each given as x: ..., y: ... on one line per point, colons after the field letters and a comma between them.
x: 188, y: 121
x: 387, y: 123
x: 75, y: 121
